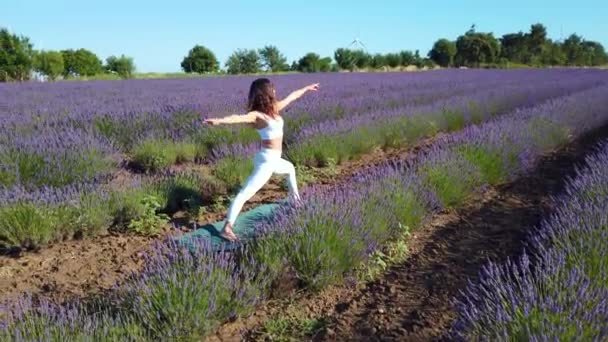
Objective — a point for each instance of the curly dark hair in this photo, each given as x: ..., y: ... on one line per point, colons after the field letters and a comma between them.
x: 262, y: 97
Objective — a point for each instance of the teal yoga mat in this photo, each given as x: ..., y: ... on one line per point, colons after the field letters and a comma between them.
x: 243, y: 228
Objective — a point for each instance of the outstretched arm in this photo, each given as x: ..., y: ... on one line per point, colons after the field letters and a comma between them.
x: 232, y: 119
x: 296, y: 95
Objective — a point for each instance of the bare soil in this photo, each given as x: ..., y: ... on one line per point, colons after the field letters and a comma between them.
x: 79, y: 268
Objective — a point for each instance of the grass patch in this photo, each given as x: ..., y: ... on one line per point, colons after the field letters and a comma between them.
x: 491, y: 166
x: 29, y: 225
x: 233, y: 171
x: 154, y: 155
x: 67, y: 167
x: 452, y: 180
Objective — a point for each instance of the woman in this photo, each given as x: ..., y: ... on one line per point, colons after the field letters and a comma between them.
x: 263, y: 115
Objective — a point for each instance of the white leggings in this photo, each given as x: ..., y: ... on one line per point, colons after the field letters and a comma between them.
x: 266, y: 162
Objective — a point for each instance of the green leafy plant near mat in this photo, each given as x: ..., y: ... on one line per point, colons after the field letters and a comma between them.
x: 150, y: 222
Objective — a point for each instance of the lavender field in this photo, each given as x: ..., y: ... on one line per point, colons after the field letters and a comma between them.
x: 81, y: 159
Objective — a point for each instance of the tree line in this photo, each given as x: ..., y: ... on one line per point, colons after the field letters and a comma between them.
x: 533, y: 48
x: 18, y: 58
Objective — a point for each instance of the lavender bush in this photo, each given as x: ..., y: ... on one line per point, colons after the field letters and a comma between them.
x: 561, y: 294
x: 28, y: 321
x: 332, y: 226
x: 74, y: 134
x: 185, y: 294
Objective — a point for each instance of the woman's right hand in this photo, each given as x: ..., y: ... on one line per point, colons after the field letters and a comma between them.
x: 313, y: 87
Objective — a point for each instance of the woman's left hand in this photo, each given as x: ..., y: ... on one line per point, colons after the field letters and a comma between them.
x: 210, y: 122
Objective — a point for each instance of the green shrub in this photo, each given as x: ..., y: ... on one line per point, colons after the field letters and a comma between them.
x: 29, y: 226
x: 491, y: 165
x: 150, y: 222
x: 452, y: 181
x: 233, y: 171
x: 153, y: 155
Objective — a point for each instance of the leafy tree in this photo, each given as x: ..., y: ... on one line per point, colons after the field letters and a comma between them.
x: 309, y: 63
x: 324, y: 64
x: 312, y: 62
x: 362, y: 59
x: 379, y: 61
x: 200, y: 60
x: 443, y: 52
x: 273, y: 59
x: 345, y: 59
x: 474, y: 48
x: 81, y: 62
x: 16, y: 57
x: 514, y: 47
x: 428, y: 63
x: 406, y: 58
x: 553, y: 54
x: 244, y: 61
x: 595, y: 53
x: 573, y: 49
x: 49, y: 63
x: 294, y: 66
x: 536, y: 39
x: 123, y: 65
x: 393, y: 60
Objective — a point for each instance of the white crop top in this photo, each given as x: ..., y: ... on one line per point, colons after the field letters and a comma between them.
x: 273, y: 130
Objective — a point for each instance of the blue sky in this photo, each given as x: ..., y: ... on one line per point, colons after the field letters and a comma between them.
x: 158, y: 34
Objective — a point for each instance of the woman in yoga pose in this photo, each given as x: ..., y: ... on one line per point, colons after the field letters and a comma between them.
x: 263, y: 114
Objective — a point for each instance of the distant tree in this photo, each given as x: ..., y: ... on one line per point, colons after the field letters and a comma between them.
x: 309, y: 63
x: 362, y: 59
x: 294, y: 66
x: 443, y: 52
x: 273, y: 59
x: 536, y: 39
x: 553, y: 54
x: 312, y: 62
x: 418, y: 60
x: 573, y: 49
x: 123, y: 65
x: 244, y: 61
x: 393, y: 60
x: 16, y: 57
x: 325, y: 65
x: 406, y: 58
x: 427, y: 63
x: 474, y: 48
x: 379, y: 61
x: 200, y: 60
x: 595, y: 53
x: 81, y: 62
x: 345, y: 59
x: 514, y: 47
x: 49, y: 63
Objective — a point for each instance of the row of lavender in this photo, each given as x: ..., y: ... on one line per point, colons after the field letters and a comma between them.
x: 98, y: 118
x: 83, y: 101
x: 63, y: 136
x: 56, y: 170
x: 185, y: 294
x: 560, y: 293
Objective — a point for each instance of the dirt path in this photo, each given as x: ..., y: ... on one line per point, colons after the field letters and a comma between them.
x: 413, y: 301
x: 78, y: 268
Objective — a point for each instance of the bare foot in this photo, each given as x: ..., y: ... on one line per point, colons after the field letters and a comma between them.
x: 228, y: 234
